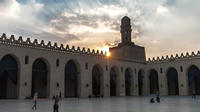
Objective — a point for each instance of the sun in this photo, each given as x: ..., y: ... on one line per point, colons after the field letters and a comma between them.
x: 105, y: 49
x: 108, y: 54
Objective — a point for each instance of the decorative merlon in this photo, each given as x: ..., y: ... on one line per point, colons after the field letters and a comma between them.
x: 49, y: 46
x: 174, y: 58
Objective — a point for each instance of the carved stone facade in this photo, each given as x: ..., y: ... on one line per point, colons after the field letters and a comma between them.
x: 27, y: 67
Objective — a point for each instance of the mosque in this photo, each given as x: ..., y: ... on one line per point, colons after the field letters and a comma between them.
x: 47, y: 68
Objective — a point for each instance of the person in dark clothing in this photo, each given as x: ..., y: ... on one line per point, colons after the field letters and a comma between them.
x: 158, y: 99
x: 152, y: 100
x: 56, y: 106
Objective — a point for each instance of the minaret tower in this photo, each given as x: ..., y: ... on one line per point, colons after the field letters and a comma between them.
x: 127, y: 50
x: 126, y: 30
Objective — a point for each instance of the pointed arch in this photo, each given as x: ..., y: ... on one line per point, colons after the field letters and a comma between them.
x: 97, y: 80
x: 154, y: 82
x: 9, y: 76
x: 140, y: 81
x: 193, y: 79
x: 72, y: 78
x: 128, y: 81
x: 172, y: 81
x: 114, y: 81
x: 40, y: 78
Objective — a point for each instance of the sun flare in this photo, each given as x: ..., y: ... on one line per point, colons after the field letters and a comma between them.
x: 105, y: 49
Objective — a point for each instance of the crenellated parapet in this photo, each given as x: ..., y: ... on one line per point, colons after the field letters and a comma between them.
x: 12, y: 41
x: 174, y: 57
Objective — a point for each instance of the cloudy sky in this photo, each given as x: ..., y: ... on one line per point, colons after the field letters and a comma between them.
x: 164, y: 27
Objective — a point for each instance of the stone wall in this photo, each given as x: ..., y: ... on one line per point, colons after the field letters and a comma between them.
x: 19, y: 49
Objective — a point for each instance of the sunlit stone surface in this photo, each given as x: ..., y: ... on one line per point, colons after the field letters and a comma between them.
x: 118, y: 104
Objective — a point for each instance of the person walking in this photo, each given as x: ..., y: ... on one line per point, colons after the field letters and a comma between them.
x: 35, y: 99
x: 56, y: 106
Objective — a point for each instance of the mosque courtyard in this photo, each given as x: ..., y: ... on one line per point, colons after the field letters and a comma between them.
x: 114, y: 104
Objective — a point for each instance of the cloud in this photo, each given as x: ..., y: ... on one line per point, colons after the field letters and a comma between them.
x: 170, y: 3
x: 156, y: 24
x: 50, y: 36
x: 161, y: 9
x: 71, y: 37
x: 155, y: 42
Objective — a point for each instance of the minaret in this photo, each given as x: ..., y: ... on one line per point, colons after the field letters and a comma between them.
x: 126, y: 30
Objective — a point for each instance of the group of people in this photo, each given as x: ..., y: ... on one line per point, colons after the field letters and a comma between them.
x: 55, y: 98
x: 157, y: 98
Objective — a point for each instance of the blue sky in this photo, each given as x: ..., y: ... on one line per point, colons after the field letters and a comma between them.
x: 164, y: 27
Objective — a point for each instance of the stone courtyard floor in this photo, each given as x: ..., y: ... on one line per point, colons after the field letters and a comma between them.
x: 115, y: 104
